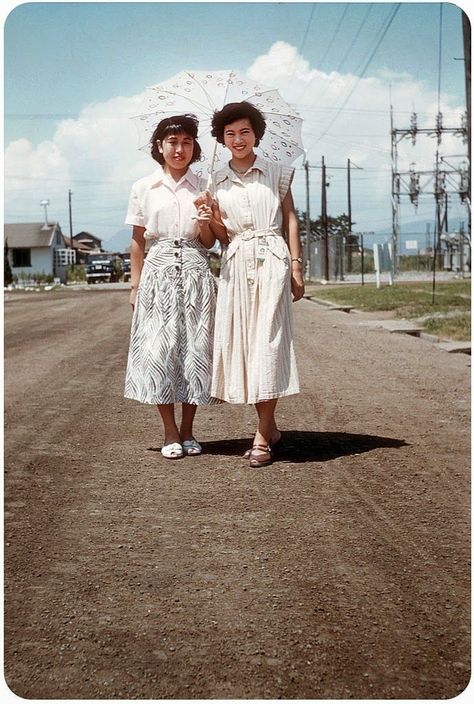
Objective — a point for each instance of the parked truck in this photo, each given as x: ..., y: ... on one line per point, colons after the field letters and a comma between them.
x: 125, y: 266
x: 104, y: 267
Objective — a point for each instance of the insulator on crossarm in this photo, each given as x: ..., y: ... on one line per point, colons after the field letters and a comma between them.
x: 464, y: 127
x: 439, y: 126
x: 413, y: 127
x: 464, y: 184
x: 414, y: 185
x: 439, y: 192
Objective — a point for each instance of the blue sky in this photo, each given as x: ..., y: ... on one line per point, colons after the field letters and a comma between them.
x: 74, y: 70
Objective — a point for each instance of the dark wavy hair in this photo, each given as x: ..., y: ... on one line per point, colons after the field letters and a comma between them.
x: 176, y: 124
x: 238, y: 111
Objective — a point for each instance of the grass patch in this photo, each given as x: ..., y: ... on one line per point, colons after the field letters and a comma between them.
x: 454, y: 328
x: 448, y: 317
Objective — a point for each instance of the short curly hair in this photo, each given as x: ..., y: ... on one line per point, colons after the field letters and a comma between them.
x: 177, y: 124
x: 238, y: 111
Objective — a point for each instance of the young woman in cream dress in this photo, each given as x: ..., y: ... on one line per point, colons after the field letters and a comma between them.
x: 261, y: 272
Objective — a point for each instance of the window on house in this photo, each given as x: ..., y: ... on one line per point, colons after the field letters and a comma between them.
x: 21, y: 257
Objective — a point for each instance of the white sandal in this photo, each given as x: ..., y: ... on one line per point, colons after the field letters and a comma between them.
x: 172, y: 451
x: 192, y: 447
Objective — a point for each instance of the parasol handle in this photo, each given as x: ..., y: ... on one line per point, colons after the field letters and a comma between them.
x: 211, y: 166
x: 213, y: 157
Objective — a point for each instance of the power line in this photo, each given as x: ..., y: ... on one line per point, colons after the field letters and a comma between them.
x: 366, y: 66
x: 102, y: 182
x: 356, y: 37
x: 60, y: 116
x: 307, y: 107
x: 308, y: 25
x: 325, y: 89
x: 440, y: 45
x: 335, y: 33
x: 369, y: 60
x: 300, y: 51
x: 320, y: 63
x: 378, y: 39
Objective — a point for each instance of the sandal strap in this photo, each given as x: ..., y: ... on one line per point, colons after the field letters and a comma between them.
x: 266, y: 448
x: 262, y: 458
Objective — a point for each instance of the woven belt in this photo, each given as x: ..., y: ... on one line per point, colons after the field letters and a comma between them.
x: 250, y: 234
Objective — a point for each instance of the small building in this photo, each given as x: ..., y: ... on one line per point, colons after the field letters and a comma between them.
x: 84, y: 243
x: 37, y: 248
x: 90, y: 241
x: 81, y: 249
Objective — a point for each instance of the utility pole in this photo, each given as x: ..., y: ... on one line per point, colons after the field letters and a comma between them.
x: 428, y: 237
x: 308, y: 222
x: 461, y: 250
x: 466, y: 34
x: 70, y: 216
x: 349, y: 215
x: 435, y: 253
x: 349, y: 211
x: 438, y: 196
x: 360, y: 236
x: 339, y: 250
x: 70, y: 223
x: 324, y: 218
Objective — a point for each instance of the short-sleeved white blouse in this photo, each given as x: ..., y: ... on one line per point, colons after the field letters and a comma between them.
x: 164, y: 207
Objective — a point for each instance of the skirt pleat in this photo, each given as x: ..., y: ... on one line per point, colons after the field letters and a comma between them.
x: 171, y: 339
x: 254, y: 358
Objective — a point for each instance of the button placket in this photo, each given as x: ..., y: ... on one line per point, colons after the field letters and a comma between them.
x: 245, y: 208
x: 178, y: 257
x: 249, y: 245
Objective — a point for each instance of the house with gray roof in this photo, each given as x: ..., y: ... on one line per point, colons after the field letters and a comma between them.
x: 37, y: 248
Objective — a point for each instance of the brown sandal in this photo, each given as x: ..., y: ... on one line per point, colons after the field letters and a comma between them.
x: 263, y: 458
x: 271, y: 445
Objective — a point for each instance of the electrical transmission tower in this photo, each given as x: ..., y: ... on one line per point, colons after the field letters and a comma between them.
x: 444, y: 180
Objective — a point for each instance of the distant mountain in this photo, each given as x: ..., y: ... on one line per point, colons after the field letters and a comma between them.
x: 409, y: 232
x: 120, y: 242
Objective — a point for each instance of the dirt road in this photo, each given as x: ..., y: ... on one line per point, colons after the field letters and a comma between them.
x: 339, y: 572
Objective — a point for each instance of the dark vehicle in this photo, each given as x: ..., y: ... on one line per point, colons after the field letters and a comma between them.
x: 102, y: 267
x: 125, y: 267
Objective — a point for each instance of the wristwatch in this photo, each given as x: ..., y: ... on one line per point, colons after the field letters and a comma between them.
x: 297, y: 259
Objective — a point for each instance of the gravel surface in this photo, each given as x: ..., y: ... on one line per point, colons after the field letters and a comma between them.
x: 339, y: 572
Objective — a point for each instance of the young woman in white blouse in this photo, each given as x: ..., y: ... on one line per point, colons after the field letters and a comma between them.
x: 173, y: 292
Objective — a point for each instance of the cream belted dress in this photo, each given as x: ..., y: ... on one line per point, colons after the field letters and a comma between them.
x: 254, y: 357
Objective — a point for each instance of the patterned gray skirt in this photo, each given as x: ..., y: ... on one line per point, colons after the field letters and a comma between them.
x: 171, y: 339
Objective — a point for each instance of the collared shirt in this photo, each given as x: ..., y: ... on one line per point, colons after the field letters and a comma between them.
x: 252, y: 200
x: 164, y: 207
x: 227, y: 172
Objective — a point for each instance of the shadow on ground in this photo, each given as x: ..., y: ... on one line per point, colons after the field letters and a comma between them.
x: 305, y: 446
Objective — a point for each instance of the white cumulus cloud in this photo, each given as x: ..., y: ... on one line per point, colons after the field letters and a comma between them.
x: 96, y: 154
x: 346, y: 117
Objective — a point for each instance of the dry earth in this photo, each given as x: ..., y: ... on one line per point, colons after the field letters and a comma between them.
x: 340, y: 572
